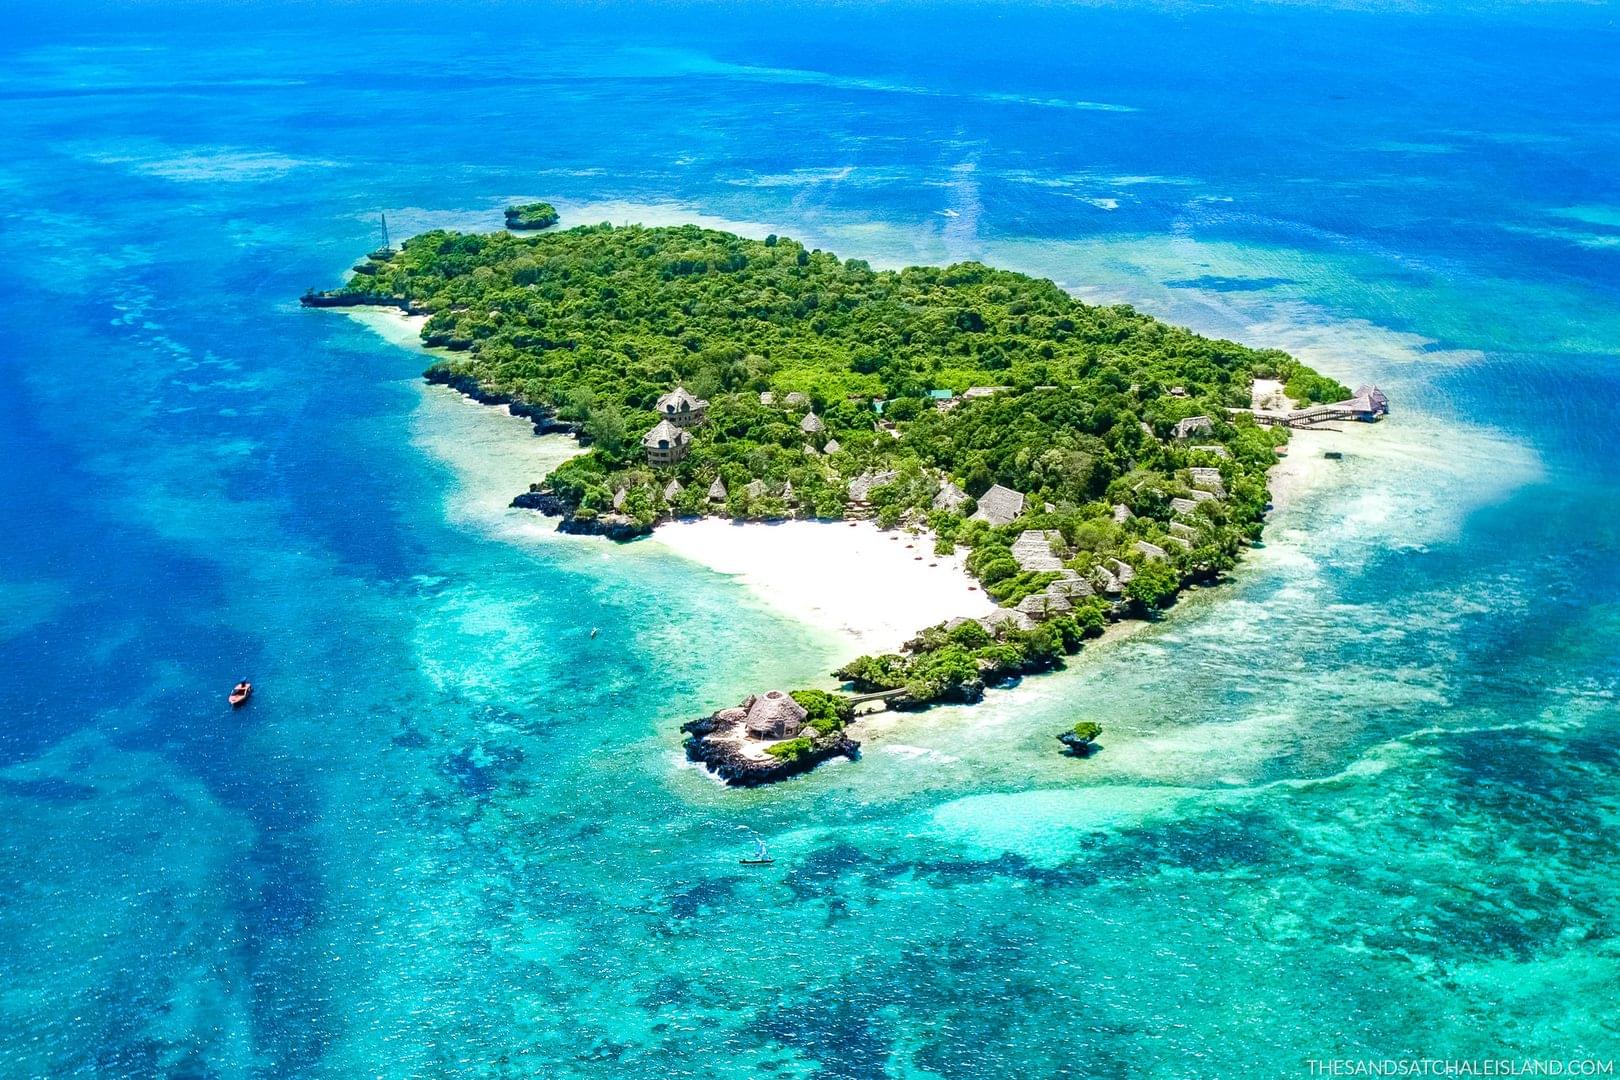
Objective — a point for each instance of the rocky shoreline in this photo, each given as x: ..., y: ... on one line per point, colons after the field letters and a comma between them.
x: 315, y: 299
x: 613, y: 526
x: 715, y: 742
x: 543, y: 418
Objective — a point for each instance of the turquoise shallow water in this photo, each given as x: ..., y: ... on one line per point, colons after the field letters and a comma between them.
x: 1359, y: 801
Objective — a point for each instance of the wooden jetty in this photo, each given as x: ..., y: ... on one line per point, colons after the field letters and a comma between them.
x: 1367, y: 404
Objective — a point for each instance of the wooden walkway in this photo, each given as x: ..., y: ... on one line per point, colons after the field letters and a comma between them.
x: 880, y: 695
x: 1304, y: 418
x: 1367, y: 404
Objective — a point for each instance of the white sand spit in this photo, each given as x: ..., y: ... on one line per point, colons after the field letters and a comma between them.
x: 856, y: 581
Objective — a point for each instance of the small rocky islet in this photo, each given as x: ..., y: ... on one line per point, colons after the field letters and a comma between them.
x: 1092, y: 461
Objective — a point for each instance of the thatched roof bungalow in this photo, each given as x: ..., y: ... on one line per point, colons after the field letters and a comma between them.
x: 666, y: 443
x: 1122, y: 513
x: 999, y: 506
x: 717, y: 491
x: 774, y: 715
x: 860, y: 488
x: 1033, y: 550
x: 681, y: 408
x: 1006, y: 618
x: 1152, y: 551
x: 1122, y: 570
x: 949, y: 497
x: 1074, y: 587
x: 1370, y: 401
x: 1183, y: 506
x: 1193, y: 425
x: 1208, y: 479
x: 1039, y: 606
x: 672, y: 489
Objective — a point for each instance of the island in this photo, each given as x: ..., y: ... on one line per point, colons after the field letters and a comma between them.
x: 1091, y: 461
x: 772, y: 736
x: 531, y: 216
x: 1081, y: 740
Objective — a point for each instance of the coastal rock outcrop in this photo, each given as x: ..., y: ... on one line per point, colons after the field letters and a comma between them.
x: 720, y: 742
x: 613, y: 526
x: 543, y: 418
x: 1081, y: 740
x: 358, y: 299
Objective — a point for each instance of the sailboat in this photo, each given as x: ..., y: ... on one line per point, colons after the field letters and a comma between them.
x: 761, y: 856
x: 387, y: 250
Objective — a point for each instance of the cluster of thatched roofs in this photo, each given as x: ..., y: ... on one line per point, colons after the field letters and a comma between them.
x: 755, y: 489
x: 669, y: 441
x: 1043, y: 550
x: 1205, y: 484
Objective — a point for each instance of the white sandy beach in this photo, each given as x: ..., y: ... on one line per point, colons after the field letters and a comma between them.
x: 854, y: 580
x: 390, y: 324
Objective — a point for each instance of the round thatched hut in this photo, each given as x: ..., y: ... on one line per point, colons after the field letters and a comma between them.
x: 774, y: 715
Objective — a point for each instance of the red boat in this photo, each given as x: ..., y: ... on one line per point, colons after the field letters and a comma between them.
x: 240, y: 693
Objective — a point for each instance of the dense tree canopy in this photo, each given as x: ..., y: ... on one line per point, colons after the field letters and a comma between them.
x: 598, y: 322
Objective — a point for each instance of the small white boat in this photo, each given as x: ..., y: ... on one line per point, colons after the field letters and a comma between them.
x: 761, y: 856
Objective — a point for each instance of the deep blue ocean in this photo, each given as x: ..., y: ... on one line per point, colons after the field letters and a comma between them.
x: 1362, y: 801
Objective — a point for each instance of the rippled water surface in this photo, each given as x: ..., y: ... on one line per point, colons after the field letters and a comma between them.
x: 1361, y: 801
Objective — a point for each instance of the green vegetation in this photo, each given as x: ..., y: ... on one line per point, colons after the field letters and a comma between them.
x: 1086, y: 731
x: 1306, y: 387
x: 827, y: 712
x: 955, y: 661
x: 535, y: 215
x: 1081, y: 740
x: 1155, y: 585
x: 791, y: 749
x: 596, y: 323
